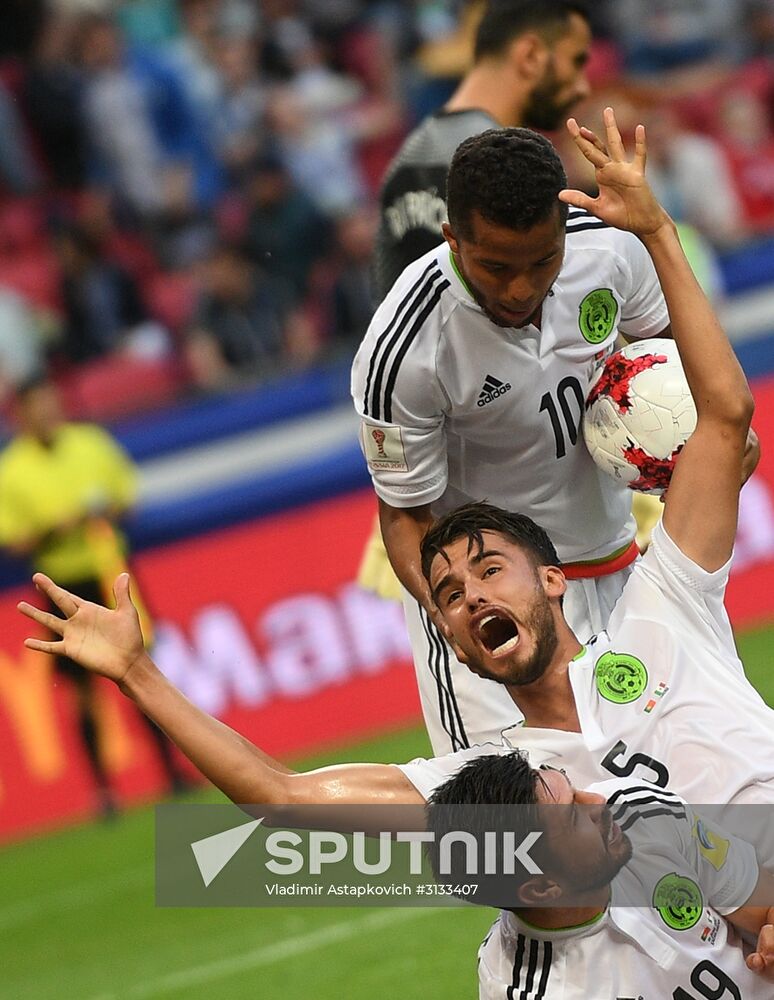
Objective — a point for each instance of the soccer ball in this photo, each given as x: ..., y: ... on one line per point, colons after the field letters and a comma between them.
x: 639, y: 414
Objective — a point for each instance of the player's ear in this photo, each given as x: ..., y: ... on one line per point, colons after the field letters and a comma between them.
x: 539, y: 891
x: 529, y: 56
x: 554, y: 581
x: 450, y: 238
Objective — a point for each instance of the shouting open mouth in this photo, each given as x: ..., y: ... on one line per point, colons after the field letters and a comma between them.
x: 496, y: 631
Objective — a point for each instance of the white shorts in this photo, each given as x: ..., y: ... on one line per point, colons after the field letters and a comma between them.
x: 461, y: 709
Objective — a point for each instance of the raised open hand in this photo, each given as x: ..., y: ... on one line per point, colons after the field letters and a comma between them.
x: 102, y: 641
x: 625, y: 199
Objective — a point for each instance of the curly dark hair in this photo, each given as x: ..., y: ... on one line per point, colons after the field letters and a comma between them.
x: 470, y: 520
x: 510, y: 176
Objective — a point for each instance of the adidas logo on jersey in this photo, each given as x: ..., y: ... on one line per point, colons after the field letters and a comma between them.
x: 493, y: 388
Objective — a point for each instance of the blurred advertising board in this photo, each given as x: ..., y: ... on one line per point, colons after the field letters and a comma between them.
x: 261, y: 625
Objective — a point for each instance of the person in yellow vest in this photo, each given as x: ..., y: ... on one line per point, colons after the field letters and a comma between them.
x: 63, y: 489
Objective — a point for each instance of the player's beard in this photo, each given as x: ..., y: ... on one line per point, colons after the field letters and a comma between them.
x: 543, y: 111
x: 585, y: 877
x: 613, y: 865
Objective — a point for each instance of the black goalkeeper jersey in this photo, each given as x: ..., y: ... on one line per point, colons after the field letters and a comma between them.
x: 413, y: 195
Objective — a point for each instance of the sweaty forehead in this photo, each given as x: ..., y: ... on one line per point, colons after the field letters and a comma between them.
x: 554, y: 787
x: 580, y: 31
x: 466, y: 550
x: 535, y: 243
x: 576, y: 32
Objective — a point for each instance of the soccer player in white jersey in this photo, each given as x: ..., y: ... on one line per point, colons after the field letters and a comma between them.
x: 661, y: 696
x: 635, y: 894
x: 471, y: 382
x: 528, y: 70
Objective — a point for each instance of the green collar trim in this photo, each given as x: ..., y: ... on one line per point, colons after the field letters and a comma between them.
x: 459, y: 274
x: 564, y: 930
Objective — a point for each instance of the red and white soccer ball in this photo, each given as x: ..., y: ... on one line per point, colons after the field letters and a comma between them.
x: 639, y: 414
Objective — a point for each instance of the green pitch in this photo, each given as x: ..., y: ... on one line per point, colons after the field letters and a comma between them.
x: 78, y: 922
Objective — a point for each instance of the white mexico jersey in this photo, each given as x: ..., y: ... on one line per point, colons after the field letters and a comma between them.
x: 665, y: 682
x: 455, y: 408
x: 661, y: 696
x: 639, y: 952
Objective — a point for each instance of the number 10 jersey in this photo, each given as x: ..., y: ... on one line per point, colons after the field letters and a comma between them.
x: 456, y: 408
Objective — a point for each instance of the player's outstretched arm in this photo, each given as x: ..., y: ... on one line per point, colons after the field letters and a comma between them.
x: 702, y: 503
x: 109, y: 643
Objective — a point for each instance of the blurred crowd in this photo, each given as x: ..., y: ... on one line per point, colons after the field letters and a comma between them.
x: 188, y: 188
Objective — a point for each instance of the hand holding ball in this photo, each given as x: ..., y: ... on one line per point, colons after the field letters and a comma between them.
x: 639, y: 414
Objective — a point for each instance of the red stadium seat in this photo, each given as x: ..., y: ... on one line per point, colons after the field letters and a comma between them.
x: 119, y: 385
x: 22, y: 225
x: 170, y: 298
x: 34, y: 275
